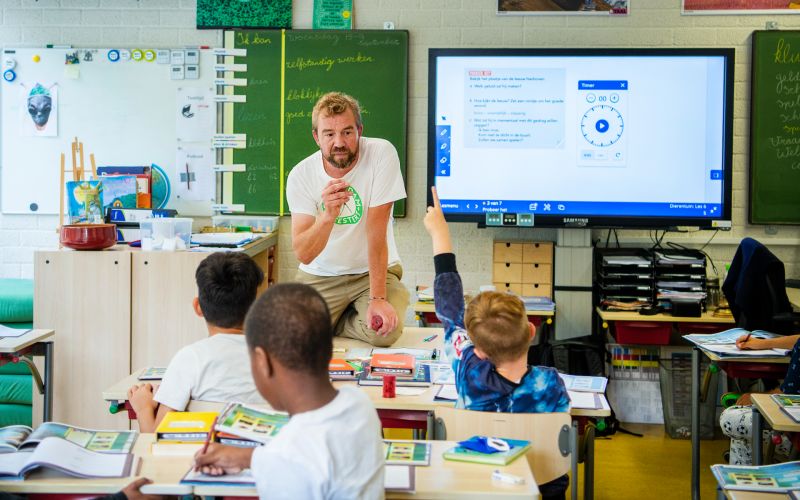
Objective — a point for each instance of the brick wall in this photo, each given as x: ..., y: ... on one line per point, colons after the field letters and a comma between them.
x: 432, y: 23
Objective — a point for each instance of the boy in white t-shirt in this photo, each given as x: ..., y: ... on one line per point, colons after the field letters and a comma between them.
x: 215, y: 368
x: 331, y: 448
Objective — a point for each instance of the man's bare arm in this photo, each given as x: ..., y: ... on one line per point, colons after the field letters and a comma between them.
x: 378, y: 252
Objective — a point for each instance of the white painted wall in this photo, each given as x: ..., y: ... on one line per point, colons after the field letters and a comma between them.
x: 431, y: 23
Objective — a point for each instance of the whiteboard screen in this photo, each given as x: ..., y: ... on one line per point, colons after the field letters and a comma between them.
x: 126, y: 112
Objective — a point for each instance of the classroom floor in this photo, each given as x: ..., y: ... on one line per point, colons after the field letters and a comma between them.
x: 655, y: 465
x: 638, y: 467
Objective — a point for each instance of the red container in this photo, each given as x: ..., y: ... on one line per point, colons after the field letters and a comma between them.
x: 389, y: 385
x: 642, y: 332
x: 687, y: 328
x: 88, y: 236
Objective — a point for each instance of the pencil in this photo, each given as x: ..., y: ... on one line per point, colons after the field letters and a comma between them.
x: 210, y: 435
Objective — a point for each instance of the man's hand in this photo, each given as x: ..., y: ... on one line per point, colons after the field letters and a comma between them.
x: 141, y: 398
x: 334, y: 196
x: 220, y: 459
x: 436, y: 226
x: 382, y: 315
x: 133, y: 490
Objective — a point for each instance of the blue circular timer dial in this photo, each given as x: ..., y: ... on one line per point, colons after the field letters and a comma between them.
x: 602, y: 125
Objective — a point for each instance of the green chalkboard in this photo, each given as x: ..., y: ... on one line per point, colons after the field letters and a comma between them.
x: 287, y: 71
x: 775, y: 128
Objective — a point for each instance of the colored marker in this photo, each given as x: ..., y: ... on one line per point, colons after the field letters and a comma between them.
x: 428, y: 339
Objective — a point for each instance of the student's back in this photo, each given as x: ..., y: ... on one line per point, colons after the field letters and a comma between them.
x: 334, y: 449
x: 215, y: 368
x: 331, y: 447
x: 212, y: 369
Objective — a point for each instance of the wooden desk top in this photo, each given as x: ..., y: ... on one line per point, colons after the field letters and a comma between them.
x: 635, y: 316
x: 166, y: 473
x: 428, y: 307
x: 442, y: 479
x: 251, y: 249
x: 778, y: 419
x: 753, y: 495
x: 752, y: 359
x: 9, y: 345
x: 412, y: 338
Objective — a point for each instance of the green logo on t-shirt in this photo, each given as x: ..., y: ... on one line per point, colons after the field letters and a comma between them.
x: 352, y: 211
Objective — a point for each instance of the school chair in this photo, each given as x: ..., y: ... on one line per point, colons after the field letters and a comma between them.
x: 755, y: 289
x: 553, y: 437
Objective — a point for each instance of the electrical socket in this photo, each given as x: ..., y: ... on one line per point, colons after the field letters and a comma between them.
x: 388, y: 25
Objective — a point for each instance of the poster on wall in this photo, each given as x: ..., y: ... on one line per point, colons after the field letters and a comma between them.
x: 218, y: 14
x: 39, y: 110
x: 740, y: 7
x: 576, y: 7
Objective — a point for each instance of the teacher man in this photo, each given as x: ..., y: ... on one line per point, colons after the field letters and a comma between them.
x: 341, y: 200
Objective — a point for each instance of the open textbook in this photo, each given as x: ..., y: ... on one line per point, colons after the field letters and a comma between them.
x: 728, y: 336
x: 767, y: 478
x: 250, y: 423
x: 23, y: 438
x: 66, y: 457
x: 789, y: 403
x: 723, y: 344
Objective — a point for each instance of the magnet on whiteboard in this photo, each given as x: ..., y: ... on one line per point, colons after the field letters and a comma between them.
x: 124, y: 55
x: 9, y: 63
x: 137, y: 54
x: 9, y: 75
x: 149, y: 55
x: 36, y: 58
x: 113, y: 55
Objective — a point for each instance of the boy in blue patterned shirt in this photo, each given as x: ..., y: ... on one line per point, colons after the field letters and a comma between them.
x: 488, y: 349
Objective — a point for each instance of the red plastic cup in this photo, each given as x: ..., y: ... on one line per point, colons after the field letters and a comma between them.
x: 389, y: 385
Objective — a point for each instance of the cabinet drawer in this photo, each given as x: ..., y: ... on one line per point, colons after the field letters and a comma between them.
x: 509, y: 287
x: 537, y: 273
x: 540, y: 252
x: 537, y: 290
x: 507, y: 272
x: 507, y: 251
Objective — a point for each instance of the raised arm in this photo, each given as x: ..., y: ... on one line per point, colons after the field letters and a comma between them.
x: 309, y: 233
x: 378, y: 253
x: 448, y: 292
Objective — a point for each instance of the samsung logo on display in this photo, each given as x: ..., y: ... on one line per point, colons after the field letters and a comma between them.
x: 576, y: 221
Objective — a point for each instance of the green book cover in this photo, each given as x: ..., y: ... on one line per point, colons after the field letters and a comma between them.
x: 517, y: 448
x: 333, y: 14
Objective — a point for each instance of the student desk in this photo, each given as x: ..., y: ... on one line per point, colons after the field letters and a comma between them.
x: 751, y: 495
x: 116, y: 310
x: 696, y: 353
x: 422, y: 406
x: 34, y: 343
x: 165, y: 471
x: 442, y: 479
x: 765, y: 408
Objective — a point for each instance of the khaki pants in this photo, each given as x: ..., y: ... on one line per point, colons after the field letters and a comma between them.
x: 348, y: 299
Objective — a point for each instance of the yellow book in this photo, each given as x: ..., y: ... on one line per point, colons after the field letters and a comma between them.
x: 185, y: 426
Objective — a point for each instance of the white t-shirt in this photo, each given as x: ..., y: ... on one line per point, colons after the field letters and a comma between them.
x: 216, y: 368
x: 374, y: 181
x: 335, y: 452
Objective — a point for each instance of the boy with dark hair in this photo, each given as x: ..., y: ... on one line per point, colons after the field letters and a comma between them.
x: 331, y: 447
x: 490, y: 356
x: 215, y: 368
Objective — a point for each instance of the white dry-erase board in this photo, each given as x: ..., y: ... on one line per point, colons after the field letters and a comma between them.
x: 126, y: 112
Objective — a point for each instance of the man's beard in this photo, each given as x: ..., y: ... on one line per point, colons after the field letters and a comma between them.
x: 346, y: 162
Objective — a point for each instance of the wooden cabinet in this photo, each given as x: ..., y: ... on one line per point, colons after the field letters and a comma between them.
x: 524, y: 268
x: 114, y: 311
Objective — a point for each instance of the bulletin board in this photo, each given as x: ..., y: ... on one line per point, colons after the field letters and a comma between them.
x: 775, y: 128
x: 287, y: 71
x: 126, y: 112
